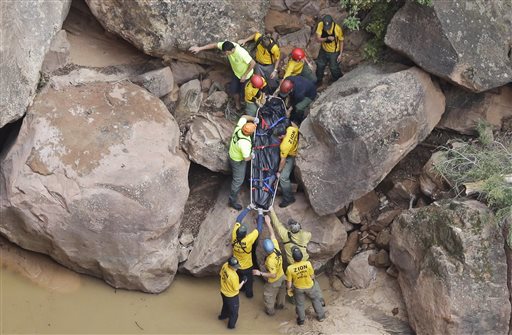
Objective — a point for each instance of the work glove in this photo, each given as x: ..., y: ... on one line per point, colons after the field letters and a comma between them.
x: 290, y: 292
x: 256, y: 120
x: 253, y: 155
x: 260, y: 211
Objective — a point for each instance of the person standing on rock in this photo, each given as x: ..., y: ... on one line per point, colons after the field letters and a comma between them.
x: 241, y: 62
x: 299, y: 65
x: 243, y: 245
x: 229, y: 289
x: 294, y: 237
x: 274, y: 290
x: 301, y: 276
x: 255, y: 94
x: 302, y: 92
x: 288, y: 151
x: 331, y: 36
x: 240, y: 151
x: 268, y: 57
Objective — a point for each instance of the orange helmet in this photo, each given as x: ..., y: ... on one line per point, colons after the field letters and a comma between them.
x: 257, y: 81
x: 248, y: 128
x: 298, y: 54
x: 286, y: 86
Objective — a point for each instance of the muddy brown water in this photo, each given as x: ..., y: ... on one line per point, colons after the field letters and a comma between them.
x: 39, y: 296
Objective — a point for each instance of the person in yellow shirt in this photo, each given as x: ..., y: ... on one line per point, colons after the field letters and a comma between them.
x: 288, y: 148
x: 255, y: 94
x: 274, y: 290
x: 243, y: 246
x: 301, y: 276
x: 331, y: 36
x: 229, y: 289
x: 299, y: 65
x: 268, y: 57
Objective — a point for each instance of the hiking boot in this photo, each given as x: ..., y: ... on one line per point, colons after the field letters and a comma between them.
x: 279, y: 306
x: 235, y: 205
x: 322, y: 301
x: 321, y: 319
x: 270, y: 312
x: 300, y: 322
x: 286, y: 203
x: 220, y: 317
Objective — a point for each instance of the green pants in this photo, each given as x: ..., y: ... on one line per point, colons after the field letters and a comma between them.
x: 251, y: 108
x: 299, y: 112
x: 300, y: 300
x: 274, y: 294
x: 307, y: 73
x: 238, y: 170
x: 322, y: 60
x: 284, y: 179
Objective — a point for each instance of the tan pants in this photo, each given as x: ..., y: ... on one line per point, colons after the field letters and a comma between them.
x: 274, y: 295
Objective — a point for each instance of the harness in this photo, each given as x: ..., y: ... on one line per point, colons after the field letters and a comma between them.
x: 239, y: 242
x: 291, y: 240
x: 237, y: 137
x: 326, y: 34
x: 269, y: 48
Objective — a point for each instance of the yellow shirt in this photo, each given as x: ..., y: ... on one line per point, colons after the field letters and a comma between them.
x: 252, y: 94
x: 300, y: 239
x: 290, y: 142
x: 274, y: 263
x: 229, y: 282
x: 242, y: 249
x: 293, y: 68
x: 333, y: 46
x: 300, y: 274
x: 262, y: 54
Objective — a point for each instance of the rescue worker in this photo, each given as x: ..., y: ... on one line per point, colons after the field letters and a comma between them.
x: 274, y: 289
x: 331, y: 36
x: 301, y: 276
x: 268, y: 57
x: 288, y: 151
x: 243, y: 245
x: 255, y: 94
x: 241, y: 62
x: 240, y: 151
x: 299, y: 65
x: 292, y: 237
x: 302, y: 92
x: 229, y: 288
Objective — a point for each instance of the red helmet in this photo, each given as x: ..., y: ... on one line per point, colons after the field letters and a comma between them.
x: 286, y: 86
x: 257, y: 81
x: 298, y: 54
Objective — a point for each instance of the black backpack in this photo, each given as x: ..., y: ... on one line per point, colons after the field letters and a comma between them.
x: 269, y: 48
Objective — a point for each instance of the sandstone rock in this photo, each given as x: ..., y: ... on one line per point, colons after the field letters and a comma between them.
x: 360, y: 128
x: 58, y: 54
x: 97, y: 181
x: 212, y: 245
x: 168, y: 28
x: 465, y: 109
x: 170, y: 100
x: 363, y: 207
x: 206, y: 84
x: 380, y: 259
x: 347, y: 225
x: 298, y: 39
x: 385, y: 218
x: 404, y: 192
x: 186, y: 238
x: 360, y: 274
x: 312, y: 8
x: 189, y: 101
x: 282, y: 22
x: 452, y: 269
x: 278, y: 5
x: 383, y: 238
x: 183, y: 253
x: 295, y: 5
x: 336, y: 13
x: 158, y: 82
x: 432, y: 184
x: 27, y: 31
x: 350, y: 248
x: 215, y: 103
x: 207, y: 142
x: 184, y: 72
x: 443, y: 38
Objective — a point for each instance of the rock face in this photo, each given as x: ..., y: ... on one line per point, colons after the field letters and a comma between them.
x: 28, y: 28
x: 58, y: 54
x: 158, y: 82
x: 452, y: 269
x: 465, y: 109
x: 468, y: 43
x: 207, y: 142
x: 168, y: 28
x: 97, y: 181
x: 360, y: 274
x: 189, y: 101
x: 212, y: 246
x: 360, y: 128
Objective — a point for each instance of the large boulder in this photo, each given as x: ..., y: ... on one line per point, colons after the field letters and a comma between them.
x: 452, y: 269
x: 207, y: 142
x: 466, y: 42
x: 360, y: 128
x: 464, y: 110
x: 168, y: 28
x: 28, y: 28
x: 213, y: 246
x: 97, y: 181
